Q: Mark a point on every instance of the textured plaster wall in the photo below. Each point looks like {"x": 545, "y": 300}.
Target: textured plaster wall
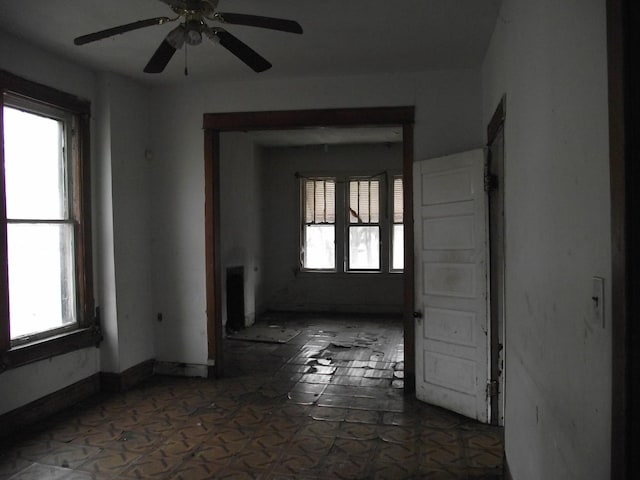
{"x": 549, "y": 59}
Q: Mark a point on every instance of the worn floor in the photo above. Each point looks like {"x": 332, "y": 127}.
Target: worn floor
{"x": 328, "y": 404}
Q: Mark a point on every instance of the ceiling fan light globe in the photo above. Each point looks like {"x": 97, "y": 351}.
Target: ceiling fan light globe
{"x": 193, "y": 37}
{"x": 176, "y": 37}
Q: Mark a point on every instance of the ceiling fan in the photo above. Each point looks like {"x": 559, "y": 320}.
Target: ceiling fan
{"x": 194, "y": 15}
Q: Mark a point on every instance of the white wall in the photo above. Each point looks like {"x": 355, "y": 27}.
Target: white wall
{"x": 22, "y": 385}
{"x": 549, "y": 58}
{"x": 102, "y": 198}
{"x": 122, "y": 223}
{"x": 288, "y": 289}
{"x": 448, "y": 119}
{"x": 130, "y": 169}
{"x": 241, "y": 220}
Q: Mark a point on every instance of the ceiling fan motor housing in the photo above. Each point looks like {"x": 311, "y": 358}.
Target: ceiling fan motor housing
{"x": 196, "y": 7}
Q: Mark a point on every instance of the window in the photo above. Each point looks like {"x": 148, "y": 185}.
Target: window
{"x": 397, "y": 232}
{"x": 39, "y": 223}
{"x": 352, "y": 224}
{"x": 45, "y": 286}
{"x": 319, "y": 231}
{"x": 364, "y": 225}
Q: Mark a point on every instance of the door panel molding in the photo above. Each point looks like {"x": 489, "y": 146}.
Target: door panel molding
{"x": 451, "y": 284}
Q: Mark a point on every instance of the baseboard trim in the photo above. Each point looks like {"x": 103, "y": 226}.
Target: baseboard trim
{"x": 327, "y": 312}
{"x": 121, "y": 382}
{"x": 48, "y": 405}
{"x": 181, "y": 369}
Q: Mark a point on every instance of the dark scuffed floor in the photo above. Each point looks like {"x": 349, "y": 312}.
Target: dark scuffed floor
{"x": 328, "y": 404}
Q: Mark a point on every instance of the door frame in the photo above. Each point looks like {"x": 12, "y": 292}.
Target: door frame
{"x": 216, "y": 123}
{"x": 497, "y": 329}
{"x": 623, "y": 45}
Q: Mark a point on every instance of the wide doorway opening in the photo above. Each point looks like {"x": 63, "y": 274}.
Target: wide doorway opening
{"x": 305, "y": 291}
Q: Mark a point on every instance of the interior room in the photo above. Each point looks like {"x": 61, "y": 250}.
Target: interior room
{"x": 199, "y": 144}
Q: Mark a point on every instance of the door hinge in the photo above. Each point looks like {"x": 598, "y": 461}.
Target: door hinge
{"x": 492, "y": 388}
{"x": 490, "y": 183}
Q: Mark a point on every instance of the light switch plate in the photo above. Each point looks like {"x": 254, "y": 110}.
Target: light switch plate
{"x": 597, "y": 301}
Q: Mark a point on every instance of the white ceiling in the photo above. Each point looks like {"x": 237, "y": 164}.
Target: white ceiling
{"x": 341, "y": 37}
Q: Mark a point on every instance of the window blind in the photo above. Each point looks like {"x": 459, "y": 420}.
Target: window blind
{"x": 320, "y": 201}
{"x": 398, "y": 193}
{"x": 364, "y": 201}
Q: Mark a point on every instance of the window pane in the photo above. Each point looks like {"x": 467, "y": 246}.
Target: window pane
{"x": 398, "y": 214}
{"x": 41, "y": 277}
{"x": 374, "y": 201}
{"x": 364, "y": 201}
{"x": 320, "y": 201}
{"x": 330, "y": 201}
{"x": 364, "y": 248}
{"x": 309, "y": 201}
{"x": 397, "y": 262}
{"x": 319, "y": 247}
{"x": 34, "y": 166}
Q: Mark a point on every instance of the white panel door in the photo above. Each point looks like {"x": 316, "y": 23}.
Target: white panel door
{"x": 450, "y": 208}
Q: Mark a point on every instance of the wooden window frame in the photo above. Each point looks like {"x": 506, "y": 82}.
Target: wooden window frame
{"x": 87, "y": 332}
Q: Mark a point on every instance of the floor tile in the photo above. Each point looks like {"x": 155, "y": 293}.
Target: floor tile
{"x": 41, "y": 472}
{"x": 11, "y": 464}
{"x": 323, "y": 406}
{"x": 352, "y": 447}
{"x": 295, "y": 464}
{"x": 109, "y": 462}
{"x": 314, "y": 446}
{"x": 346, "y": 467}
{"x": 329, "y": 413}
{"x": 68, "y": 455}
{"x": 363, "y": 416}
{"x": 196, "y": 471}
{"x": 152, "y": 466}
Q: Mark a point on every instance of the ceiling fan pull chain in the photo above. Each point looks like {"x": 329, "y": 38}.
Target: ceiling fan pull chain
{"x": 186, "y": 69}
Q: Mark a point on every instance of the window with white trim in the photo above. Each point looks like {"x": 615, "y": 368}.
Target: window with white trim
{"x": 319, "y": 228}
{"x": 397, "y": 227}
{"x": 364, "y": 224}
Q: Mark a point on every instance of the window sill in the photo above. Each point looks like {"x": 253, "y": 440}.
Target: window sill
{"x": 49, "y": 347}
{"x": 349, "y": 274}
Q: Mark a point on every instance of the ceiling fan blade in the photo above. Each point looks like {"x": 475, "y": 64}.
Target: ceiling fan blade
{"x": 259, "y": 21}
{"x": 109, "y": 32}
{"x": 160, "y": 58}
{"x": 243, "y": 51}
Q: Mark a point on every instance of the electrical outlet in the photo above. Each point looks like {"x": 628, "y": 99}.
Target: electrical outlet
{"x": 597, "y": 299}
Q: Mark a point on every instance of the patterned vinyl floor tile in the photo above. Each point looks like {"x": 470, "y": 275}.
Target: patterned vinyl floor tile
{"x": 326, "y": 405}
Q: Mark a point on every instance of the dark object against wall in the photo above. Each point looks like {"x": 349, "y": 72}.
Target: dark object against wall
{"x": 235, "y": 299}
